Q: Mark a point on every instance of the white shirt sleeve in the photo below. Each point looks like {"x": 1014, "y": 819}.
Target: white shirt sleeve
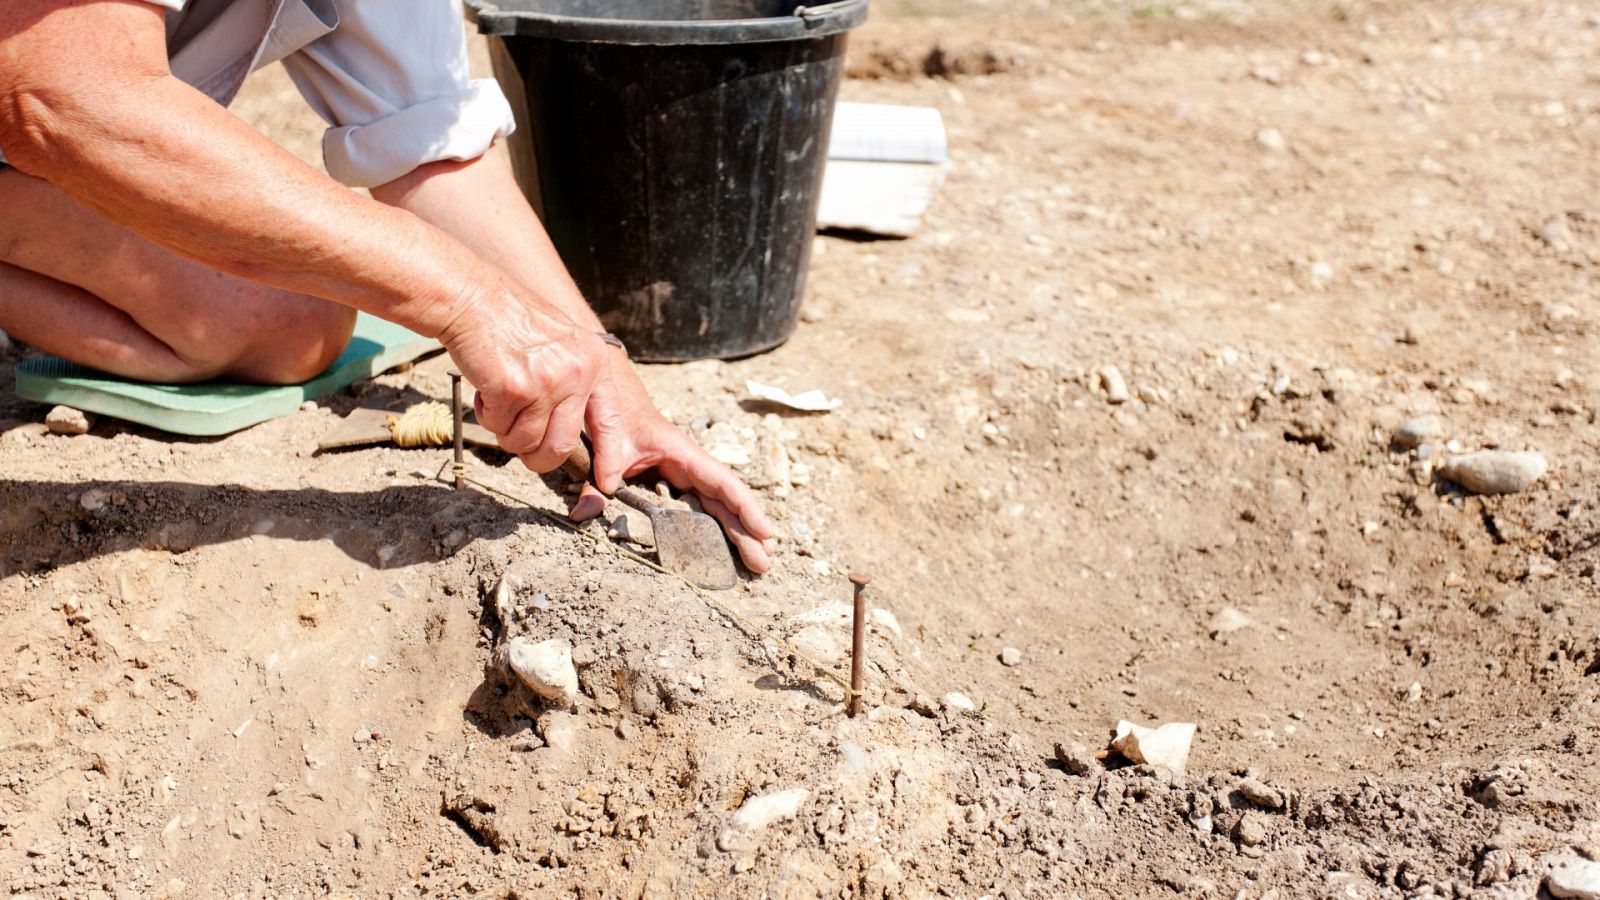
{"x": 392, "y": 81}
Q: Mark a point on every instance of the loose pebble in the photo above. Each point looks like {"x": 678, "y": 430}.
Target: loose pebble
{"x": 1110, "y": 382}
{"x": 743, "y": 832}
{"x": 632, "y": 527}
{"x": 546, "y": 668}
{"x": 361, "y": 736}
{"x": 732, "y": 455}
{"x": 1252, "y": 829}
{"x": 1571, "y": 876}
{"x": 1166, "y": 746}
{"x": 1556, "y": 235}
{"x": 1272, "y": 139}
{"x": 958, "y": 701}
{"x": 1495, "y": 471}
{"x": 560, "y": 730}
{"x": 66, "y": 420}
{"x": 1227, "y": 620}
{"x": 1421, "y": 430}
{"x": 1077, "y": 759}
{"x": 1260, "y": 793}
{"x": 1010, "y": 656}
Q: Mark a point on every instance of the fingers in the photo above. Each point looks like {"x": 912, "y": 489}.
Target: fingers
{"x": 751, "y": 549}
{"x": 609, "y": 435}
{"x": 562, "y": 431}
{"x": 690, "y": 468}
{"x": 590, "y": 503}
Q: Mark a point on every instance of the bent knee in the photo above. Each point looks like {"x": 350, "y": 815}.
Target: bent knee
{"x": 295, "y": 342}
{"x": 308, "y": 340}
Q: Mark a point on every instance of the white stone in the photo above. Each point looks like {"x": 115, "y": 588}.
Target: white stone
{"x": 1418, "y": 431}
{"x": 734, "y": 455}
{"x": 743, "y": 832}
{"x": 958, "y": 701}
{"x": 1571, "y": 876}
{"x": 546, "y": 668}
{"x": 66, "y": 420}
{"x": 632, "y": 527}
{"x": 94, "y": 499}
{"x": 1495, "y": 471}
{"x": 1110, "y": 381}
{"x": 1271, "y": 139}
{"x": 1227, "y": 620}
{"x": 1166, "y": 746}
{"x": 1010, "y": 656}
{"x": 560, "y": 731}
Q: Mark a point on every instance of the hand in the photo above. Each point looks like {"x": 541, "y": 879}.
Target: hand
{"x": 640, "y": 438}
{"x": 539, "y": 377}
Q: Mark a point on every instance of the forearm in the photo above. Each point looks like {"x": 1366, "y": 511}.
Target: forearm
{"x": 479, "y": 202}
{"x": 158, "y": 157}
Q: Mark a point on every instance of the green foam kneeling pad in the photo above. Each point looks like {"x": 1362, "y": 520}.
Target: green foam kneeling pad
{"x": 217, "y": 407}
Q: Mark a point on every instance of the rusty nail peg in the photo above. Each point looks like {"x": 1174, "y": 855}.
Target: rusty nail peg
{"x": 858, "y": 640}
{"x": 459, "y": 468}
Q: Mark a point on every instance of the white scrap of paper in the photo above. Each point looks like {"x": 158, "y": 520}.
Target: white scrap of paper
{"x": 811, "y": 401}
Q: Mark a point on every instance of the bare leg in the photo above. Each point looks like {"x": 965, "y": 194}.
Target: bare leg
{"x": 85, "y": 289}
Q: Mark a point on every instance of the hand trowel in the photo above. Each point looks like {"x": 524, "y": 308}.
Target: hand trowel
{"x": 688, "y": 543}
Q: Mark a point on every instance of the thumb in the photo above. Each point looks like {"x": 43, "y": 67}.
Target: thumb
{"x": 609, "y": 435}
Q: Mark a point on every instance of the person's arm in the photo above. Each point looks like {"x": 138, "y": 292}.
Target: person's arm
{"x": 87, "y": 103}
{"x": 479, "y": 201}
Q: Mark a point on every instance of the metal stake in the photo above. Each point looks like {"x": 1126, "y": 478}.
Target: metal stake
{"x": 858, "y": 641}
{"x": 459, "y": 469}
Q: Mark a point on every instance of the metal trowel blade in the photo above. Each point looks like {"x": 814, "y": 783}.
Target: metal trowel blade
{"x": 691, "y": 544}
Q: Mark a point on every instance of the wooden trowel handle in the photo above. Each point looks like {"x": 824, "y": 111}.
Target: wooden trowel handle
{"x": 580, "y": 468}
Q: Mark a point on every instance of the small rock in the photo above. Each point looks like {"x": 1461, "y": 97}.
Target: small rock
{"x": 1556, "y": 235}
{"x": 546, "y": 668}
{"x": 1268, "y": 74}
{"x": 1077, "y": 759}
{"x": 1227, "y": 620}
{"x": 1110, "y": 381}
{"x": 743, "y": 832}
{"x": 361, "y": 736}
{"x": 94, "y": 500}
{"x": 1252, "y": 829}
{"x": 1166, "y": 746}
{"x": 66, "y": 420}
{"x": 1010, "y": 656}
{"x": 626, "y": 730}
{"x": 560, "y": 730}
{"x": 732, "y": 455}
{"x": 1418, "y": 431}
{"x": 959, "y": 702}
{"x": 1271, "y": 139}
{"x": 1261, "y": 794}
{"x": 632, "y": 527}
{"x": 1493, "y": 868}
{"x": 1495, "y": 471}
{"x": 1571, "y": 876}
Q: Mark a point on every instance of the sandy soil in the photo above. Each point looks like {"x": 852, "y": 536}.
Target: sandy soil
{"x": 240, "y": 668}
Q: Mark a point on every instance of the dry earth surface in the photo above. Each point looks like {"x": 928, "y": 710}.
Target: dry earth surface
{"x": 236, "y": 667}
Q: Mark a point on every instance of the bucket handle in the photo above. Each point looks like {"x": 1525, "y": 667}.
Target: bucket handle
{"x": 817, "y": 12}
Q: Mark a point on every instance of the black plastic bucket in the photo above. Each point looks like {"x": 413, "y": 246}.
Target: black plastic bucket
{"x": 674, "y": 150}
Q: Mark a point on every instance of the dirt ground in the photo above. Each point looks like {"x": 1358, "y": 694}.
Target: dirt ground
{"x": 237, "y": 667}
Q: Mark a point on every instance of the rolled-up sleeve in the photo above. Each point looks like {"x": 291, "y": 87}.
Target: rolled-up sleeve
{"x": 392, "y": 82}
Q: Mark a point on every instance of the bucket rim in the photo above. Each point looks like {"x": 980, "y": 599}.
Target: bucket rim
{"x": 817, "y": 20}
